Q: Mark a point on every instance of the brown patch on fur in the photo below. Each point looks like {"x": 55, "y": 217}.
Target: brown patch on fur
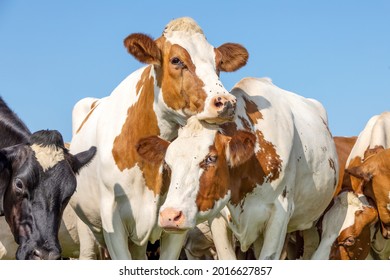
{"x": 230, "y": 57}
{"x": 181, "y": 87}
{"x": 93, "y": 104}
{"x": 344, "y": 146}
{"x": 354, "y": 242}
{"x": 144, "y": 76}
{"x": 93, "y": 107}
{"x": 141, "y": 122}
{"x": 252, "y": 111}
{"x": 268, "y": 158}
{"x": 214, "y": 181}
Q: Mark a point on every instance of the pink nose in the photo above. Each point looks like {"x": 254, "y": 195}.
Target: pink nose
{"x": 224, "y": 105}
{"x": 171, "y": 219}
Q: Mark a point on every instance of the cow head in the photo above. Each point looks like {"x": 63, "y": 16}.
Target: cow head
{"x": 349, "y": 221}
{"x": 374, "y": 175}
{"x": 36, "y": 183}
{"x": 187, "y": 69}
{"x": 200, "y": 162}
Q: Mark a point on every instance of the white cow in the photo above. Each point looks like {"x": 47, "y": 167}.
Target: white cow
{"x": 275, "y": 168}
{"x": 118, "y": 194}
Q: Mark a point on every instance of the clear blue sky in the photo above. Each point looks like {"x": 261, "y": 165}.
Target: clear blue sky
{"x": 54, "y": 53}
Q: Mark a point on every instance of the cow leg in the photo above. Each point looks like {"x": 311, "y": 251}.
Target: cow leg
{"x": 88, "y": 244}
{"x": 275, "y": 232}
{"x": 171, "y": 245}
{"x": 311, "y": 240}
{"x": 223, "y": 240}
{"x": 115, "y": 234}
{"x": 138, "y": 252}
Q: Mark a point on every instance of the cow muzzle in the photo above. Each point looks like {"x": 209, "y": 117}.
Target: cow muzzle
{"x": 172, "y": 220}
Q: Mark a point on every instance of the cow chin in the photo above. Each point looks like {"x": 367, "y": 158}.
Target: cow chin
{"x": 29, "y": 250}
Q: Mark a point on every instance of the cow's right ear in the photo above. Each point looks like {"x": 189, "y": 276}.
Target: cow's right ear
{"x": 240, "y": 148}
{"x": 4, "y": 179}
{"x": 152, "y": 149}
{"x": 143, "y": 48}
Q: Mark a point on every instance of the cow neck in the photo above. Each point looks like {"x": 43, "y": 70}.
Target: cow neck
{"x": 148, "y": 116}
{"x": 264, "y": 166}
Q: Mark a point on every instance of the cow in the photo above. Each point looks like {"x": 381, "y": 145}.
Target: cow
{"x": 275, "y": 168}
{"x": 369, "y": 173}
{"x": 118, "y": 194}
{"x": 346, "y": 228}
{"x": 366, "y": 178}
{"x": 69, "y": 236}
{"x": 37, "y": 179}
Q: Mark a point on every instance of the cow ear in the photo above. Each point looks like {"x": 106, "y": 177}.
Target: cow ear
{"x": 360, "y": 172}
{"x": 152, "y": 149}
{"x": 143, "y": 48}
{"x": 240, "y": 148}
{"x": 82, "y": 159}
{"x": 234, "y": 56}
{"x": 4, "y": 179}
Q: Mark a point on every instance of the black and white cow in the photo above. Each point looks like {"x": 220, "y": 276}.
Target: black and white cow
{"x": 37, "y": 179}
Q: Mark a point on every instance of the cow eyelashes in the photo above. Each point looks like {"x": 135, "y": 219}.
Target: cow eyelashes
{"x": 177, "y": 62}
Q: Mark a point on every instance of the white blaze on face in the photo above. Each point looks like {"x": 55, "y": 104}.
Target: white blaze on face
{"x": 189, "y": 36}
{"x": 184, "y": 156}
{"x": 48, "y": 156}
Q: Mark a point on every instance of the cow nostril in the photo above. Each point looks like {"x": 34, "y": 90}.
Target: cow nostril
{"x": 218, "y": 104}
{"x": 178, "y": 216}
{"x": 37, "y": 254}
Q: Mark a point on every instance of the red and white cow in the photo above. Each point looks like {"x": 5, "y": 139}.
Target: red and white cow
{"x": 371, "y": 175}
{"x": 275, "y": 168}
{"x": 346, "y": 228}
{"x": 118, "y": 194}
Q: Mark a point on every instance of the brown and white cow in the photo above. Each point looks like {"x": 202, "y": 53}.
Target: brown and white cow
{"x": 275, "y": 168}
{"x": 353, "y": 229}
{"x": 119, "y": 194}
{"x": 371, "y": 175}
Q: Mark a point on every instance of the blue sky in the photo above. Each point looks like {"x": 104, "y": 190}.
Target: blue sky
{"x": 54, "y": 53}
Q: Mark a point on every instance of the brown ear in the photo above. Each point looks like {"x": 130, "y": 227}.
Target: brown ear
{"x": 143, "y": 48}
{"x": 360, "y": 172}
{"x": 152, "y": 149}
{"x": 240, "y": 148}
{"x": 234, "y": 56}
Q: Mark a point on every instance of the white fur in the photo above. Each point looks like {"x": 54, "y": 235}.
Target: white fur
{"x": 290, "y": 122}
{"x": 48, "y": 156}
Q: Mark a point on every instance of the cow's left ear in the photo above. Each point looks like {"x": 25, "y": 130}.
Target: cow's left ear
{"x": 82, "y": 159}
{"x": 152, "y": 149}
{"x": 240, "y": 148}
{"x": 233, "y": 57}
{"x": 4, "y": 179}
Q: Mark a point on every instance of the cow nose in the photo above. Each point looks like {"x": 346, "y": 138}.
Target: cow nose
{"x": 171, "y": 219}
{"x": 225, "y": 106}
{"x": 42, "y": 254}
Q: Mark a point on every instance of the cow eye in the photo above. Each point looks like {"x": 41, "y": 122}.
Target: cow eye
{"x": 350, "y": 241}
{"x": 210, "y": 159}
{"x": 176, "y": 61}
{"x": 18, "y": 185}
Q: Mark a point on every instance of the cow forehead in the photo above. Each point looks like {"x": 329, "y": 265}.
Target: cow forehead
{"x": 192, "y": 144}
{"x": 48, "y": 156}
{"x": 196, "y": 45}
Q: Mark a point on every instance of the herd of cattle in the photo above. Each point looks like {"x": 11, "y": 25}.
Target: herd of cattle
{"x": 172, "y": 158}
